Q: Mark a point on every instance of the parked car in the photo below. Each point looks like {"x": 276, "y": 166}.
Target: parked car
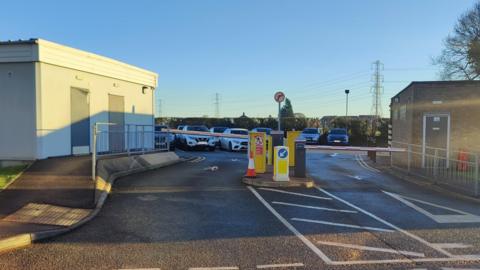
{"x": 217, "y": 130}
{"x": 190, "y": 142}
{"x": 178, "y": 137}
{"x": 310, "y": 135}
{"x": 262, "y": 129}
{"x": 337, "y": 136}
{"x": 234, "y": 144}
{"x": 159, "y": 138}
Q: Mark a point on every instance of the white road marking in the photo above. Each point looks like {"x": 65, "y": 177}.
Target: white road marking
{"x": 452, "y": 268}
{"x": 386, "y": 250}
{"x": 214, "y": 268}
{"x": 197, "y": 159}
{"x": 463, "y": 217}
{"x": 291, "y": 228}
{"x": 285, "y": 265}
{"x": 334, "y": 154}
{"x": 422, "y": 260}
{"x": 411, "y": 235}
{"x": 452, "y": 245}
{"x": 314, "y": 207}
{"x": 364, "y": 164}
{"x": 211, "y": 168}
{"x": 342, "y": 225}
{"x": 356, "y": 177}
{"x": 295, "y": 193}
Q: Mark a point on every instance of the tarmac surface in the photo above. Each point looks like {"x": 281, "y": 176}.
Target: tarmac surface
{"x": 198, "y": 215}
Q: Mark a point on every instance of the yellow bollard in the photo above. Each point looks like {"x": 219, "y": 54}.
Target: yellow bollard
{"x": 291, "y": 137}
{"x": 280, "y": 168}
{"x": 269, "y": 149}
{"x": 258, "y": 147}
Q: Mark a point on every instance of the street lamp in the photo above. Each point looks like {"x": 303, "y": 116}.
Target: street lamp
{"x": 346, "y": 108}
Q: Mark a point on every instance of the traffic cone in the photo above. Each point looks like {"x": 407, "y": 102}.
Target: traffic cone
{"x": 251, "y": 167}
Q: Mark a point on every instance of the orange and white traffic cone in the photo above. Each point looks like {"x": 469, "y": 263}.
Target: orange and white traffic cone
{"x": 251, "y": 167}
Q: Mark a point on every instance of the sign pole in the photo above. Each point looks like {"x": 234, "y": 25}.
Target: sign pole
{"x": 279, "y": 97}
{"x": 279, "y": 109}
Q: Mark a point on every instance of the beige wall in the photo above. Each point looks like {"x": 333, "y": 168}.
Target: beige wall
{"x": 53, "y": 129}
{"x": 17, "y": 111}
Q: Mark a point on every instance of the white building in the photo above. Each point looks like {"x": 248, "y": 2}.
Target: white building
{"x": 52, "y": 95}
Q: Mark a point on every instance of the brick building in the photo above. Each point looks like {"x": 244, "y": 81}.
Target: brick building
{"x": 437, "y": 118}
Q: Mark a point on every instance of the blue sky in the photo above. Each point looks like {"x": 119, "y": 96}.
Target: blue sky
{"x": 246, "y": 50}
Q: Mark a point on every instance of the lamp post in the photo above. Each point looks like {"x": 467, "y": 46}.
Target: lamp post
{"x": 346, "y": 108}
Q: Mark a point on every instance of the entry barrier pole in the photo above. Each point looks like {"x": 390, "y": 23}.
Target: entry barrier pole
{"x": 94, "y": 153}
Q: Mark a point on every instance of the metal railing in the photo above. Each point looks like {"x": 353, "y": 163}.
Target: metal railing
{"x": 110, "y": 139}
{"x": 457, "y": 169}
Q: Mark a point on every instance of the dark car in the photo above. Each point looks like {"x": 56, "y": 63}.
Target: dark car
{"x": 262, "y": 129}
{"x": 337, "y": 136}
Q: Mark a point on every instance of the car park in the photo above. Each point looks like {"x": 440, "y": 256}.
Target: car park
{"x": 337, "y": 136}
{"x": 262, "y": 129}
{"x": 160, "y": 134}
{"x": 191, "y": 141}
{"x": 234, "y": 144}
{"x": 310, "y": 135}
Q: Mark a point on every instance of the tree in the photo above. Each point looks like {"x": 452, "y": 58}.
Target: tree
{"x": 287, "y": 115}
{"x": 460, "y": 58}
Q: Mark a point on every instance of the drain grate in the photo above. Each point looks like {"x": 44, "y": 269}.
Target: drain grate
{"x": 48, "y": 214}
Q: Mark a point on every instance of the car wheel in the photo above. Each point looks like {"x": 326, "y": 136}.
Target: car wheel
{"x": 211, "y": 148}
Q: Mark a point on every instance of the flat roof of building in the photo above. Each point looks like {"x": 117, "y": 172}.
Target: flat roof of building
{"x": 40, "y": 50}
{"x": 433, "y": 83}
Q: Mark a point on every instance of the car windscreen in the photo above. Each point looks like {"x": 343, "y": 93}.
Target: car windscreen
{"x": 266, "y": 130}
{"x": 197, "y": 128}
{"x": 219, "y": 129}
{"x": 239, "y": 132}
{"x": 310, "y": 131}
{"x": 338, "y": 131}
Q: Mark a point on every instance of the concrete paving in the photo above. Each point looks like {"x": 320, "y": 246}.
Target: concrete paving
{"x": 62, "y": 181}
{"x": 189, "y": 216}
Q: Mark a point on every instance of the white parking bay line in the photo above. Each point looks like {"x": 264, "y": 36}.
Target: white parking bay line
{"x": 284, "y": 265}
{"x": 214, "y": 268}
{"x": 291, "y": 228}
{"x": 452, "y": 245}
{"x": 342, "y": 225}
{"x": 314, "y": 207}
{"x": 295, "y": 193}
{"x": 453, "y": 268}
{"x": 411, "y": 235}
{"x": 386, "y": 250}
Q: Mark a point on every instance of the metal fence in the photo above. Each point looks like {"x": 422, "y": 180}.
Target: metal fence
{"x": 457, "y": 169}
{"x": 110, "y": 139}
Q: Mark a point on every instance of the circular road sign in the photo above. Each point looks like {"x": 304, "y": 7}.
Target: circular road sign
{"x": 282, "y": 153}
{"x": 279, "y": 96}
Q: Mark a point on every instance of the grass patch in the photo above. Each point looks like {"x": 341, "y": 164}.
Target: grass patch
{"x": 7, "y": 174}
